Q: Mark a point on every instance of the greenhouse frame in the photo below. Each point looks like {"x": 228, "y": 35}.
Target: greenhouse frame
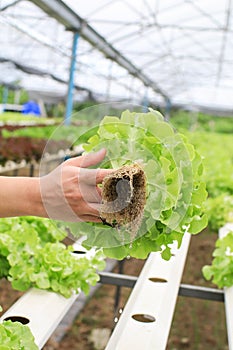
{"x": 150, "y": 81}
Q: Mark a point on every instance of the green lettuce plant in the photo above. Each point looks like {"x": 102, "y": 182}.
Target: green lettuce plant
{"x": 217, "y": 153}
{"x": 221, "y": 269}
{"x": 32, "y": 255}
{"x": 16, "y": 336}
{"x": 175, "y": 191}
{"x": 219, "y": 211}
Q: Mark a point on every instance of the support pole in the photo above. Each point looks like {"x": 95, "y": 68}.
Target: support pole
{"x": 5, "y": 96}
{"x": 168, "y": 110}
{"x": 69, "y": 102}
{"x": 145, "y": 102}
{"x": 109, "y": 81}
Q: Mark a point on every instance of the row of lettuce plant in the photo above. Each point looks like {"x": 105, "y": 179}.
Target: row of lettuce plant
{"x": 217, "y": 151}
{"x": 18, "y": 149}
{"x": 33, "y": 254}
{"x": 17, "y": 118}
{"x": 28, "y": 143}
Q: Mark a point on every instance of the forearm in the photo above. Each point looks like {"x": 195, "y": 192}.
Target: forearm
{"x": 70, "y": 192}
{"x": 20, "y": 196}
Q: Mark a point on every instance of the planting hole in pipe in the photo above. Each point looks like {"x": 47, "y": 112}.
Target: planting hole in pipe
{"x": 20, "y": 319}
{"x": 157, "y": 279}
{"x": 79, "y": 252}
{"x": 143, "y": 318}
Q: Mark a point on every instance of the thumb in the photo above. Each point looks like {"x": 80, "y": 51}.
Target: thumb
{"x": 88, "y": 159}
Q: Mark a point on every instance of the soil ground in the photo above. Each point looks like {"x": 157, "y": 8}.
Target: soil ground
{"x": 197, "y": 324}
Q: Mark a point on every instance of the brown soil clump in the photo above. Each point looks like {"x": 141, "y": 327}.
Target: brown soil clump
{"x": 124, "y": 197}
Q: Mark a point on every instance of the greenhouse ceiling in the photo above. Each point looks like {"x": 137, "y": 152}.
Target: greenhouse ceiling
{"x": 177, "y": 52}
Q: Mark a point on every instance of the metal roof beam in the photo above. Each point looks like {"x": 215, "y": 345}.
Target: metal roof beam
{"x": 72, "y": 21}
{"x": 39, "y": 72}
{"x": 9, "y": 5}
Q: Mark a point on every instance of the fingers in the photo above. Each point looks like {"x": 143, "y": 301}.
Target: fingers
{"x": 89, "y": 159}
{"x": 92, "y": 176}
{"x": 93, "y": 209}
{"x": 90, "y": 194}
{"x": 80, "y": 185}
{"x": 93, "y": 158}
{"x": 101, "y": 174}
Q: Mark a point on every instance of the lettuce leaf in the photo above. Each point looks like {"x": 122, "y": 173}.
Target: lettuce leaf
{"x": 15, "y": 336}
{"x": 175, "y": 190}
{"x": 221, "y": 269}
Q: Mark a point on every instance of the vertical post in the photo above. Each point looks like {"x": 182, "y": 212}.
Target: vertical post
{"x": 167, "y": 109}
{"x": 118, "y": 290}
{"x": 109, "y": 81}
{"x": 31, "y": 170}
{"x": 69, "y": 102}
{"x": 131, "y": 90}
{"x": 17, "y": 96}
{"x": 145, "y": 102}
{"x": 5, "y": 96}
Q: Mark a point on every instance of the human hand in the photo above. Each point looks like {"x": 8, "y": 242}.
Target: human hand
{"x": 71, "y": 192}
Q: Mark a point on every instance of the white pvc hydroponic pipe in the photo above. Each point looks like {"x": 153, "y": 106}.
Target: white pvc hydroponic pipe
{"x": 146, "y": 320}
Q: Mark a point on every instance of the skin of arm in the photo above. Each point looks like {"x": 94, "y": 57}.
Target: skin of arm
{"x": 69, "y": 193}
